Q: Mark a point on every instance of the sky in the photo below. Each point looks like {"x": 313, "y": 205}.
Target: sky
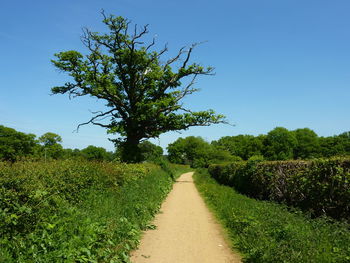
{"x": 277, "y": 63}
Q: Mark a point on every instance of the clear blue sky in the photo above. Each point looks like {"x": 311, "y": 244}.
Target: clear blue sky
{"x": 278, "y": 63}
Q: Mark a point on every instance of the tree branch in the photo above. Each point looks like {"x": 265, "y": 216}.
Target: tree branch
{"x": 96, "y": 118}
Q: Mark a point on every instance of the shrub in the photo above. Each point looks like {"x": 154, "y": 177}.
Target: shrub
{"x": 76, "y": 211}
{"x": 320, "y": 186}
{"x": 269, "y": 232}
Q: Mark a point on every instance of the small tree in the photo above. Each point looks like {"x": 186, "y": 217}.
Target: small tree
{"x": 143, "y": 94}
{"x": 50, "y": 138}
{"x": 51, "y": 145}
{"x": 190, "y": 150}
{"x": 15, "y": 144}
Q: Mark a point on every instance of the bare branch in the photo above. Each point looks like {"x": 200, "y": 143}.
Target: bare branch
{"x": 189, "y": 54}
{"x": 135, "y": 30}
{"x": 103, "y": 14}
{"x": 126, "y": 28}
{"x": 139, "y": 35}
{"x": 165, "y": 49}
{"x": 170, "y": 61}
{"x": 96, "y": 118}
{"x": 150, "y": 45}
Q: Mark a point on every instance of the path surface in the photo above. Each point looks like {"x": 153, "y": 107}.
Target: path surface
{"x": 186, "y": 231}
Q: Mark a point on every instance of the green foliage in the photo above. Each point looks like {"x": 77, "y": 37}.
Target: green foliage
{"x": 76, "y": 211}
{"x": 243, "y": 146}
{"x": 71, "y": 154}
{"x": 308, "y": 145}
{"x": 319, "y": 186}
{"x": 268, "y": 232}
{"x": 279, "y": 144}
{"x": 143, "y": 95}
{"x": 196, "y": 152}
{"x": 174, "y": 170}
{"x": 221, "y": 156}
{"x": 14, "y": 144}
{"x": 93, "y": 153}
{"x": 336, "y": 145}
{"x": 190, "y": 150}
{"x": 50, "y": 138}
{"x": 51, "y": 147}
{"x": 150, "y": 151}
{"x": 256, "y": 158}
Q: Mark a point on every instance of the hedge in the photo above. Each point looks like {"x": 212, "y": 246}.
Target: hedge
{"x": 268, "y": 232}
{"x": 77, "y": 211}
{"x": 319, "y": 186}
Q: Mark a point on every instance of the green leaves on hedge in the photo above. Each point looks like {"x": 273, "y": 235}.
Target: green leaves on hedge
{"x": 320, "y": 186}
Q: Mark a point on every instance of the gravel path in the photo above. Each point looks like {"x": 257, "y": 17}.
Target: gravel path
{"x": 186, "y": 231}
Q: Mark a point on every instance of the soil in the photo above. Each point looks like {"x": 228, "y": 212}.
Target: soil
{"x": 186, "y": 232}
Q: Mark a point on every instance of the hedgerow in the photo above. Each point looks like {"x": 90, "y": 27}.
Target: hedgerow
{"x": 70, "y": 211}
{"x": 320, "y": 186}
{"x": 268, "y": 232}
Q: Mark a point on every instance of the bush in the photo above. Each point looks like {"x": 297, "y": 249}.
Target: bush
{"x": 320, "y": 186}
{"x": 268, "y": 232}
{"x": 76, "y": 211}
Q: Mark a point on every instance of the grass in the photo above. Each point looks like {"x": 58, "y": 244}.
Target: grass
{"x": 268, "y": 232}
{"x": 68, "y": 211}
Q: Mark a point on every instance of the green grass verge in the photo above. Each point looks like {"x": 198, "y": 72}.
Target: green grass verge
{"x": 319, "y": 186}
{"x": 67, "y": 211}
{"x": 267, "y": 232}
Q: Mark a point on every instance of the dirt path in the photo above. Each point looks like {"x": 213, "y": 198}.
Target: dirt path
{"x": 186, "y": 231}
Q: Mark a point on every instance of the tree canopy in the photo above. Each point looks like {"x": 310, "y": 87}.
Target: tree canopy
{"x": 142, "y": 90}
{"x": 50, "y": 138}
{"x": 93, "y": 153}
{"x": 197, "y": 152}
{"x": 150, "y": 151}
{"x": 308, "y": 145}
{"x": 51, "y": 146}
{"x": 244, "y": 146}
{"x": 15, "y": 144}
{"x": 279, "y": 144}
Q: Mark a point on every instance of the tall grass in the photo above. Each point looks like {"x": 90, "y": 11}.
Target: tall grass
{"x": 268, "y": 232}
{"x": 68, "y": 211}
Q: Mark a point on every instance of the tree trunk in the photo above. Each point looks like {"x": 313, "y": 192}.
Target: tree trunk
{"x": 130, "y": 150}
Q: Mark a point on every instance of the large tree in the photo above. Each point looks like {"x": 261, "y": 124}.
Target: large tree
{"x": 308, "y": 145}
{"x": 279, "y": 144}
{"x": 142, "y": 90}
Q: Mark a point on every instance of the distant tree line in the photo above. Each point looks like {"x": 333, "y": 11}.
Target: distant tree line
{"x": 278, "y": 144}
{"x": 15, "y": 145}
